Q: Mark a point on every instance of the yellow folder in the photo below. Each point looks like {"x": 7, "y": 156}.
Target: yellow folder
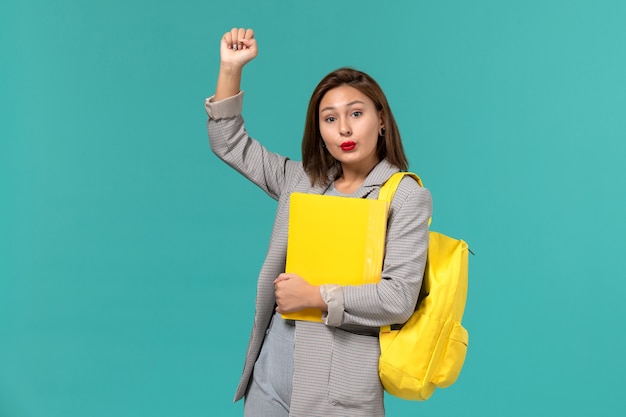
{"x": 335, "y": 240}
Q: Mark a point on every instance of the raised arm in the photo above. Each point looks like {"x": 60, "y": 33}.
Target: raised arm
{"x": 228, "y": 137}
{"x": 238, "y": 47}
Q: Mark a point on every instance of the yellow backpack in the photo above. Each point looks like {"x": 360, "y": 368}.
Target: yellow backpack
{"x": 428, "y": 351}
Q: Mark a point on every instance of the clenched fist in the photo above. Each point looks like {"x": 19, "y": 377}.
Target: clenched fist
{"x": 238, "y": 47}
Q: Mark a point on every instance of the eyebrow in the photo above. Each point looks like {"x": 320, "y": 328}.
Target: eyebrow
{"x": 347, "y": 105}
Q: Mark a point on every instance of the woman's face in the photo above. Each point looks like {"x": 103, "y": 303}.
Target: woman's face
{"x": 350, "y": 125}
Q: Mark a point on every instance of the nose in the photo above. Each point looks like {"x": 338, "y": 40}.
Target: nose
{"x": 344, "y": 128}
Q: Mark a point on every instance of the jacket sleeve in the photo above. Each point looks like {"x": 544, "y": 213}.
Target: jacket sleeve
{"x": 393, "y": 299}
{"x": 229, "y": 140}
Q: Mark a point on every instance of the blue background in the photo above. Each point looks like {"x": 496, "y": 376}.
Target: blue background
{"x": 127, "y": 284}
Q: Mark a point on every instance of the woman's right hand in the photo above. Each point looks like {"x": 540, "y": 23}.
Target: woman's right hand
{"x": 238, "y": 47}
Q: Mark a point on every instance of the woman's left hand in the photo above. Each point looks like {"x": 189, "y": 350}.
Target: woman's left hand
{"x": 293, "y": 293}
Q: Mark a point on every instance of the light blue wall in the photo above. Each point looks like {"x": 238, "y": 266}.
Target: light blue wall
{"x": 127, "y": 287}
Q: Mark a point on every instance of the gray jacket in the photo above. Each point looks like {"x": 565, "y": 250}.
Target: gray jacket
{"x": 335, "y": 371}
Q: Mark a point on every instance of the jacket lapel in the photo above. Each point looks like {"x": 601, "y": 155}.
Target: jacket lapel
{"x": 376, "y": 178}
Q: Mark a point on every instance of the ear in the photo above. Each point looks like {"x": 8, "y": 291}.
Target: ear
{"x": 381, "y": 116}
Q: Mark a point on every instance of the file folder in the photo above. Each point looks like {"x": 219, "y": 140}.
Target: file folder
{"x": 335, "y": 240}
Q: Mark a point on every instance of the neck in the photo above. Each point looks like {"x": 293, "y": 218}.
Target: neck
{"x": 353, "y": 176}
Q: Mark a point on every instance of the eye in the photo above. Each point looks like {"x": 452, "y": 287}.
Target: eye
{"x": 330, "y": 119}
{"x": 357, "y": 113}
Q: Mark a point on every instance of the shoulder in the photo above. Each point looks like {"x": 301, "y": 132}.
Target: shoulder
{"x": 295, "y": 172}
{"x": 410, "y": 189}
{"x": 411, "y": 199}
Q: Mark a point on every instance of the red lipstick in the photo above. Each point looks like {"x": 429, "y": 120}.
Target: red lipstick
{"x": 348, "y": 145}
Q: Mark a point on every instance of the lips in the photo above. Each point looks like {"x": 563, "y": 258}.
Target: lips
{"x": 348, "y": 146}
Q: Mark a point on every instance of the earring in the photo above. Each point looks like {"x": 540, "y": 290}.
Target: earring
{"x": 382, "y": 132}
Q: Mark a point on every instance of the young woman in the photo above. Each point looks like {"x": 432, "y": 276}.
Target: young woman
{"x": 351, "y": 146}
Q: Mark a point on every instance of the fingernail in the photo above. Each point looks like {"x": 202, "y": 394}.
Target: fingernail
{"x": 234, "y": 46}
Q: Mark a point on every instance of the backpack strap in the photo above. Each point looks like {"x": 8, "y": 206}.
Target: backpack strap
{"x": 386, "y": 193}
{"x": 389, "y": 188}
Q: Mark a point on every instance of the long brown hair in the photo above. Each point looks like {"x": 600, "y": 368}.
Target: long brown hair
{"x": 316, "y": 159}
